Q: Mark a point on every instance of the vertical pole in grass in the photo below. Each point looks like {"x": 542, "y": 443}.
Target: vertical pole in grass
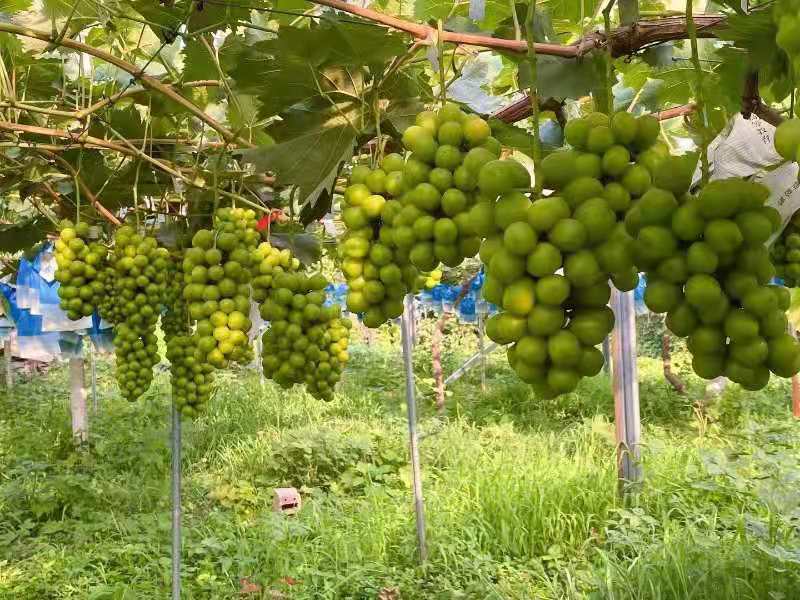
{"x": 176, "y": 502}
{"x": 795, "y": 383}
{"x": 7, "y": 361}
{"x": 606, "y": 356}
{"x": 482, "y": 348}
{"x": 93, "y": 367}
{"x": 626, "y": 391}
{"x": 77, "y": 401}
{"x": 406, "y": 333}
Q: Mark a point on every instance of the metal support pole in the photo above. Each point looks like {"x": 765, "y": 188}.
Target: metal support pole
{"x": 626, "y": 391}
{"x": 482, "y": 348}
{"x": 176, "y": 503}
{"x": 7, "y": 361}
{"x": 606, "y": 356}
{"x": 93, "y": 367}
{"x": 77, "y": 403}
{"x": 413, "y": 436}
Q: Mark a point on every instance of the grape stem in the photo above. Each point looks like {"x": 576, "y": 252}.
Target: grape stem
{"x": 609, "y": 59}
{"x": 699, "y": 101}
{"x": 533, "y": 94}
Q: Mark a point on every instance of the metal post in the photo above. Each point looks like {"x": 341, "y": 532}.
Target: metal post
{"x": 7, "y": 360}
{"x": 606, "y": 356}
{"x": 626, "y": 391}
{"x": 176, "y": 503}
{"x": 77, "y": 403}
{"x": 413, "y": 436}
{"x": 795, "y": 383}
{"x": 93, "y": 367}
{"x": 481, "y": 348}
{"x": 628, "y": 11}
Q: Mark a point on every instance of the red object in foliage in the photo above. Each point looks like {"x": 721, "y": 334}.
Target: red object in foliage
{"x": 268, "y": 219}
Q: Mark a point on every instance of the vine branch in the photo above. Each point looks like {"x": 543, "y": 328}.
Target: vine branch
{"x": 148, "y": 81}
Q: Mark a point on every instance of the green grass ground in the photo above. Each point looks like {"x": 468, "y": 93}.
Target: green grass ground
{"x": 520, "y": 494}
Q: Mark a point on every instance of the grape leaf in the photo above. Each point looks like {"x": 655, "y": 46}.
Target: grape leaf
{"x": 197, "y": 61}
{"x": 11, "y": 6}
{"x": 15, "y": 237}
{"x": 304, "y": 246}
{"x": 312, "y": 145}
{"x": 560, "y": 77}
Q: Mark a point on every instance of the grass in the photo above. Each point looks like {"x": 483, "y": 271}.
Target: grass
{"x": 519, "y": 494}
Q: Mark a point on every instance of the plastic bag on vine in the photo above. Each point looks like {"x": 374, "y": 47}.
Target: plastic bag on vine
{"x": 745, "y": 148}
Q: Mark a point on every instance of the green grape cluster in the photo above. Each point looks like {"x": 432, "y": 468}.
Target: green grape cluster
{"x": 140, "y": 271}
{"x": 708, "y": 269}
{"x": 268, "y": 262}
{"x": 217, "y": 271}
{"x": 787, "y": 139}
{"x": 191, "y": 375}
{"x": 378, "y": 272}
{"x": 79, "y": 264}
{"x": 175, "y": 316}
{"x": 785, "y": 253}
{"x": 786, "y": 14}
{"x": 549, "y": 261}
{"x": 439, "y": 182}
{"x": 306, "y": 342}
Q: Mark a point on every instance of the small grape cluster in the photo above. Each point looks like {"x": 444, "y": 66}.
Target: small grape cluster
{"x": 140, "y": 270}
{"x": 709, "y": 271}
{"x": 785, "y": 253}
{"x": 440, "y": 183}
{"x": 79, "y": 264}
{"x": 549, "y": 261}
{"x": 307, "y": 341}
{"x": 191, "y": 375}
{"x": 378, "y": 272}
{"x": 268, "y": 262}
{"x": 217, "y": 272}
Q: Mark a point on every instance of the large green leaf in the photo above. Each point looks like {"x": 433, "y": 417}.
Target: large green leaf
{"x": 560, "y": 77}
{"x": 15, "y": 237}
{"x": 312, "y": 145}
{"x": 197, "y": 62}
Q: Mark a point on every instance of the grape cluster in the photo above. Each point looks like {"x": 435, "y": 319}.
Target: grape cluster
{"x": 787, "y": 140}
{"x": 307, "y": 341}
{"x": 175, "y": 316}
{"x": 549, "y": 261}
{"x": 268, "y": 262}
{"x": 191, "y": 375}
{"x": 709, "y": 271}
{"x": 440, "y": 181}
{"x": 79, "y": 264}
{"x": 217, "y": 272}
{"x": 378, "y": 272}
{"x": 786, "y": 14}
{"x": 137, "y": 284}
{"x": 785, "y": 253}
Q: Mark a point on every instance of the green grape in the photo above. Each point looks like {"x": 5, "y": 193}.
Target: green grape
{"x": 714, "y": 280}
{"x": 138, "y": 274}
{"x": 307, "y": 341}
{"x": 549, "y": 261}
{"x": 80, "y": 264}
{"x": 217, "y": 274}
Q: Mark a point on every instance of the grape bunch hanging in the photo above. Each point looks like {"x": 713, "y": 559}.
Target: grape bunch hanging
{"x": 785, "y": 253}
{"x": 787, "y": 140}
{"x": 306, "y": 342}
{"x": 549, "y": 261}
{"x": 137, "y": 278}
{"x": 378, "y": 272}
{"x": 217, "y": 274}
{"x": 708, "y": 269}
{"x": 80, "y": 262}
